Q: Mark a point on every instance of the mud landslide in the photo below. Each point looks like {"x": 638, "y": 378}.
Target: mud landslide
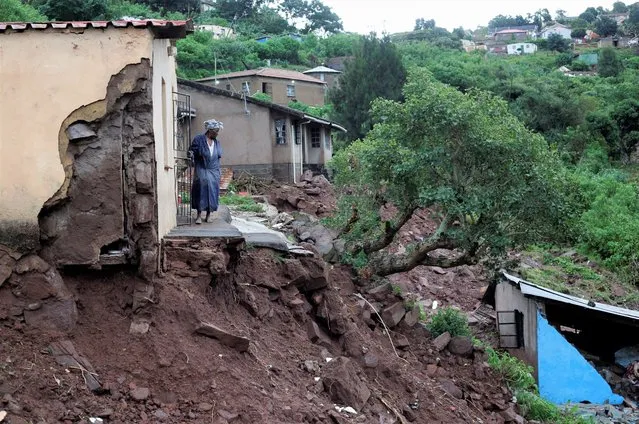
{"x": 280, "y": 339}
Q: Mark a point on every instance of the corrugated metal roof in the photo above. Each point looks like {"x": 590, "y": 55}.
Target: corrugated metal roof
{"x": 533, "y": 290}
{"x": 320, "y": 69}
{"x": 266, "y": 72}
{"x": 156, "y": 24}
{"x": 511, "y": 31}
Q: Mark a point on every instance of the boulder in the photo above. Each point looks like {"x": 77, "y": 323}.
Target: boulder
{"x": 451, "y": 388}
{"x": 393, "y": 314}
{"x": 241, "y": 344}
{"x": 462, "y": 346}
{"x": 343, "y": 385}
{"x": 440, "y": 342}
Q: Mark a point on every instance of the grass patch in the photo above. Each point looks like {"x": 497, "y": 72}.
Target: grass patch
{"x": 575, "y": 276}
{"x": 241, "y": 203}
{"x": 519, "y": 378}
{"x": 449, "y": 319}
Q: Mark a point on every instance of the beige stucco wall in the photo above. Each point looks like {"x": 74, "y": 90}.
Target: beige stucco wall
{"x": 44, "y": 77}
{"x": 164, "y": 84}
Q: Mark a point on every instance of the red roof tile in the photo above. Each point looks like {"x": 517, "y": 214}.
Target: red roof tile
{"x": 267, "y": 72}
{"x": 156, "y": 24}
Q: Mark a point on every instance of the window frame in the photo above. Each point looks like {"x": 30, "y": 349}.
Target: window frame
{"x": 280, "y": 136}
{"x": 316, "y": 141}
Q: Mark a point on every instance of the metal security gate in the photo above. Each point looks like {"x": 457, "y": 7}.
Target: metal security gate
{"x": 511, "y": 329}
{"x": 181, "y": 143}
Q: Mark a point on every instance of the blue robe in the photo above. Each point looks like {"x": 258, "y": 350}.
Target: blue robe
{"x": 205, "y": 192}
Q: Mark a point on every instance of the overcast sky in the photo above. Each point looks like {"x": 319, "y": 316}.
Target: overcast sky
{"x": 364, "y": 16}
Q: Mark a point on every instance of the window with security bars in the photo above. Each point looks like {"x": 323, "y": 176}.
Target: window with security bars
{"x": 280, "y": 131}
{"x": 290, "y": 90}
{"x": 298, "y": 133}
{"x": 316, "y": 139}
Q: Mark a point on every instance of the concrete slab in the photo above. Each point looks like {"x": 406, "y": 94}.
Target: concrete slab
{"x": 252, "y": 232}
{"x": 216, "y": 229}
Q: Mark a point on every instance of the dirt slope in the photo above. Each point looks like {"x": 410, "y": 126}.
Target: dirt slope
{"x": 282, "y": 378}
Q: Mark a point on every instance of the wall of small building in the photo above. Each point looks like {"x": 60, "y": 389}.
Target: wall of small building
{"x": 330, "y": 78}
{"x": 44, "y": 77}
{"x": 306, "y": 92}
{"x": 509, "y": 298}
{"x": 248, "y": 140}
{"x": 164, "y": 82}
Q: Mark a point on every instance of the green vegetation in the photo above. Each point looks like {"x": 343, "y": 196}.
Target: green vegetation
{"x": 241, "y": 203}
{"x": 16, "y": 11}
{"x": 448, "y": 319}
{"x": 445, "y": 150}
{"x": 520, "y": 379}
{"x": 362, "y": 83}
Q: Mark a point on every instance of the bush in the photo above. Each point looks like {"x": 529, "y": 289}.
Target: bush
{"x": 449, "y": 319}
{"x": 516, "y": 373}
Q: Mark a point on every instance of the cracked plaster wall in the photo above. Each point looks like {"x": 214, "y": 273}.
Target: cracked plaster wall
{"x": 45, "y": 76}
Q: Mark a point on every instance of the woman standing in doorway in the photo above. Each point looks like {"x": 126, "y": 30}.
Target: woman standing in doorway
{"x": 206, "y": 153}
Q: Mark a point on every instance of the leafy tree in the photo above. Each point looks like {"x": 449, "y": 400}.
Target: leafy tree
{"x": 460, "y": 33}
{"x": 315, "y": 14}
{"x": 321, "y": 17}
{"x": 488, "y": 181}
{"x": 605, "y": 26}
{"x": 609, "y": 63}
{"x": 188, "y": 7}
{"x": 421, "y": 24}
{"x": 578, "y": 33}
{"x": 557, "y": 43}
{"x": 16, "y": 11}
{"x": 233, "y": 10}
{"x": 560, "y": 15}
{"x": 376, "y": 70}
{"x": 74, "y": 10}
{"x": 619, "y": 7}
{"x": 117, "y": 9}
{"x": 588, "y": 16}
{"x": 505, "y": 21}
{"x": 631, "y": 25}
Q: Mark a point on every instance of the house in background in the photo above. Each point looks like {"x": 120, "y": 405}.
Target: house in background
{"x": 217, "y": 31}
{"x": 293, "y": 36}
{"x": 328, "y": 75}
{"x": 95, "y": 101}
{"x": 507, "y": 35}
{"x": 262, "y": 138}
{"x": 283, "y": 85}
{"x": 552, "y": 332}
{"x": 531, "y": 29}
{"x": 558, "y": 29}
{"x": 521, "y": 48}
{"x": 620, "y": 18}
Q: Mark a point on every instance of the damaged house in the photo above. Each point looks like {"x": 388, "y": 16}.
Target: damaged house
{"x": 261, "y": 138}
{"x": 563, "y": 336}
{"x": 87, "y": 140}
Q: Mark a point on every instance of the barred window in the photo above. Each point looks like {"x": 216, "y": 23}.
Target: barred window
{"x": 280, "y": 131}
{"x": 315, "y": 138}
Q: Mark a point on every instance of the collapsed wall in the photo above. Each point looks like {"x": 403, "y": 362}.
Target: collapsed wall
{"x": 107, "y": 204}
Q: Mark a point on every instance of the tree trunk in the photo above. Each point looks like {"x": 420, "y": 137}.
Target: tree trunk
{"x": 383, "y": 264}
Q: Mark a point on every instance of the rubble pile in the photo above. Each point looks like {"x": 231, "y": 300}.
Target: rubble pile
{"x": 312, "y": 195}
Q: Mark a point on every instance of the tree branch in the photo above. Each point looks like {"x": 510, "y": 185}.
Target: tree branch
{"x": 384, "y": 264}
{"x": 389, "y": 232}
